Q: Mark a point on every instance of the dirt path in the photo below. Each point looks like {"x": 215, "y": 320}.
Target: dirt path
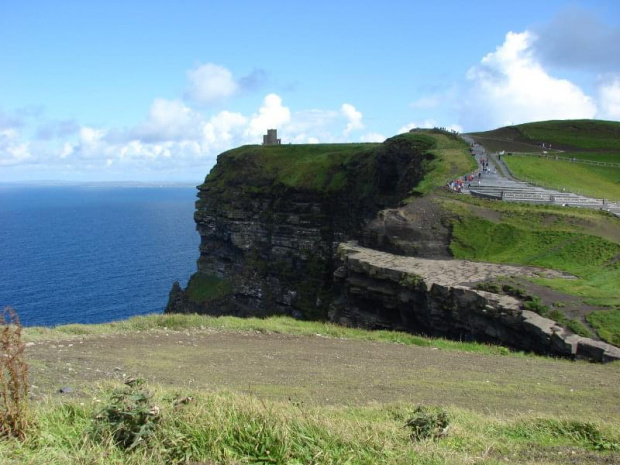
{"x": 321, "y": 370}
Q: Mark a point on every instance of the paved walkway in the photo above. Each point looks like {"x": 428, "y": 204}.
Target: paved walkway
{"x": 498, "y": 183}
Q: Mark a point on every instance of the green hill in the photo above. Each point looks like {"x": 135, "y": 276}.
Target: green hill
{"x": 588, "y": 152}
{"x": 601, "y": 139}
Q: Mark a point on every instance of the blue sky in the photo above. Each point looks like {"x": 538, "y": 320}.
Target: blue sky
{"x": 154, "y": 91}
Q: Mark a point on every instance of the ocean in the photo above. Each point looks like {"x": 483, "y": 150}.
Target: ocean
{"x": 93, "y": 254}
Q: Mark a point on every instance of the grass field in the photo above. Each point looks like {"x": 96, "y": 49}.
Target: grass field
{"x": 566, "y": 135}
{"x": 591, "y": 181}
{"x": 270, "y": 391}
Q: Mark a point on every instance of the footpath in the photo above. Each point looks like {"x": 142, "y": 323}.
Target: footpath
{"x": 496, "y": 182}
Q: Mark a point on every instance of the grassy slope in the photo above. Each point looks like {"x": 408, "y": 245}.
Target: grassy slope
{"x": 575, "y": 134}
{"x": 451, "y": 160}
{"x": 229, "y": 427}
{"x": 592, "y": 181}
{"x": 583, "y": 139}
{"x": 571, "y": 136}
{"x": 582, "y": 242}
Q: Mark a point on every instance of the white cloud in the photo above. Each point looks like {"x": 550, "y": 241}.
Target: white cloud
{"x": 510, "y": 86}
{"x": 210, "y": 83}
{"x": 169, "y": 120}
{"x": 353, "y": 116}
{"x": 272, "y": 114}
{"x": 609, "y": 98}
{"x": 173, "y": 138}
{"x": 12, "y": 150}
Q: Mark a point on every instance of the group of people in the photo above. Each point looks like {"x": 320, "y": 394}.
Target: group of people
{"x": 457, "y": 185}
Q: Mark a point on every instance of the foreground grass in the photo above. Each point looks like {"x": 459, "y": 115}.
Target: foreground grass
{"x": 274, "y": 324}
{"x": 592, "y": 181}
{"x": 231, "y": 428}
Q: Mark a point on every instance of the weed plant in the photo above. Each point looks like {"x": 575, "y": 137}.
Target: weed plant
{"x": 128, "y": 418}
{"x": 13, "y": 377}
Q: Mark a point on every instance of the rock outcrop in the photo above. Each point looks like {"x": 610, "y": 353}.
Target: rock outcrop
{"x": 379, "y": 290}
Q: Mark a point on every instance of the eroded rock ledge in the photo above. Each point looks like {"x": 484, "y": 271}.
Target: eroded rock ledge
{"x": 379, "y": 290}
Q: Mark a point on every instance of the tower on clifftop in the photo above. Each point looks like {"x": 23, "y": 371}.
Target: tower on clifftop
{"x": 271, "y": 138}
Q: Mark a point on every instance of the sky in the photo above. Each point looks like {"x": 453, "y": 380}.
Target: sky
{"x": 153, "y": 91}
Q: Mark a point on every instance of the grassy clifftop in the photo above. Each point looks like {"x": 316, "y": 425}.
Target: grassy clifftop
{"x": 330, "y": 167}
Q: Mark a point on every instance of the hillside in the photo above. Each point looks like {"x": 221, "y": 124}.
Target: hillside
{"x": 277, "y": 390}
{"x": 588, "y": 152}
{"x": 600, "y": 138}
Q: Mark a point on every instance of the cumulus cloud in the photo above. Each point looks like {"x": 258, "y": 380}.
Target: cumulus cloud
{"x": 510, "y": 86}
{"x": 578, "y": 39}
{"x": 168, "y": 120}
{"x": 353, "y": 116}
{"x": 272, "y": 114}
{"x": 609, "y": 98}
{"x": 210, "y": 83}
{"x": 175, "y": 137}
{"x": 223, "y": 129}
{"x": 12, "y": 150}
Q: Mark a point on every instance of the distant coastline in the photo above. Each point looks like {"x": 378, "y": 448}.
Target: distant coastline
{"x": 106, "y": 184}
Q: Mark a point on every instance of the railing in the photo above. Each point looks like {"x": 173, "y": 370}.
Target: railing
{"x": 547, "y": 156}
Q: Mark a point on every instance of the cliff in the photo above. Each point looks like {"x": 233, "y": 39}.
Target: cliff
{"x": 276, "y": 225}
{"x": 270, "y": 220}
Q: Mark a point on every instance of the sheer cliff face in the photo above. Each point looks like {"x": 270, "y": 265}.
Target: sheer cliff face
{"x": 271, "y": 218}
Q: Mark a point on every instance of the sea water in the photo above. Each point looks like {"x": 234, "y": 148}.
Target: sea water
{"x": 91, "y": 254}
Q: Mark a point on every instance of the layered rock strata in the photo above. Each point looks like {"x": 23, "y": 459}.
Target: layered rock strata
{"x": 379, "y": 290}
{"x": 270, "y": 220}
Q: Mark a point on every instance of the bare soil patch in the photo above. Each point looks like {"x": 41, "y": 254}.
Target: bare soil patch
{"x": 321, "y": 370}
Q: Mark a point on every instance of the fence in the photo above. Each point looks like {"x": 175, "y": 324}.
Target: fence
{"x": 608, "y": 164}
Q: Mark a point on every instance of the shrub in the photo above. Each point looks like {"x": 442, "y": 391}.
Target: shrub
{"x": 13, "y": 377}
{"x": 129, "y": 418}
{"x": 428, "y": 422}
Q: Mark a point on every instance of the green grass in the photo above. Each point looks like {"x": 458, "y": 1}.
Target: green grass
{"x": 608, "y": 157}
{"x": 583, "y": 134}
{"x": 607, "y": 325}
{"x": 451, "y": 160}
{"x": 230, "y": 428}
{"x": 333, "y": 167}
{"x": 203, "y": 288}
{"x": 274, "y": 324}
{"x": 567, "y": 135}
{"x": 592, "y": 181}
{"x": 528, "y": 235}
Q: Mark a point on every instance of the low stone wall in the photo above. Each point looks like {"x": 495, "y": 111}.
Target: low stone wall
{"x": 378, "y": 290}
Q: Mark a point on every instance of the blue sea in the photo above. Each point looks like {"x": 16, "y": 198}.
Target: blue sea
{"x": 93, "y": 254}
